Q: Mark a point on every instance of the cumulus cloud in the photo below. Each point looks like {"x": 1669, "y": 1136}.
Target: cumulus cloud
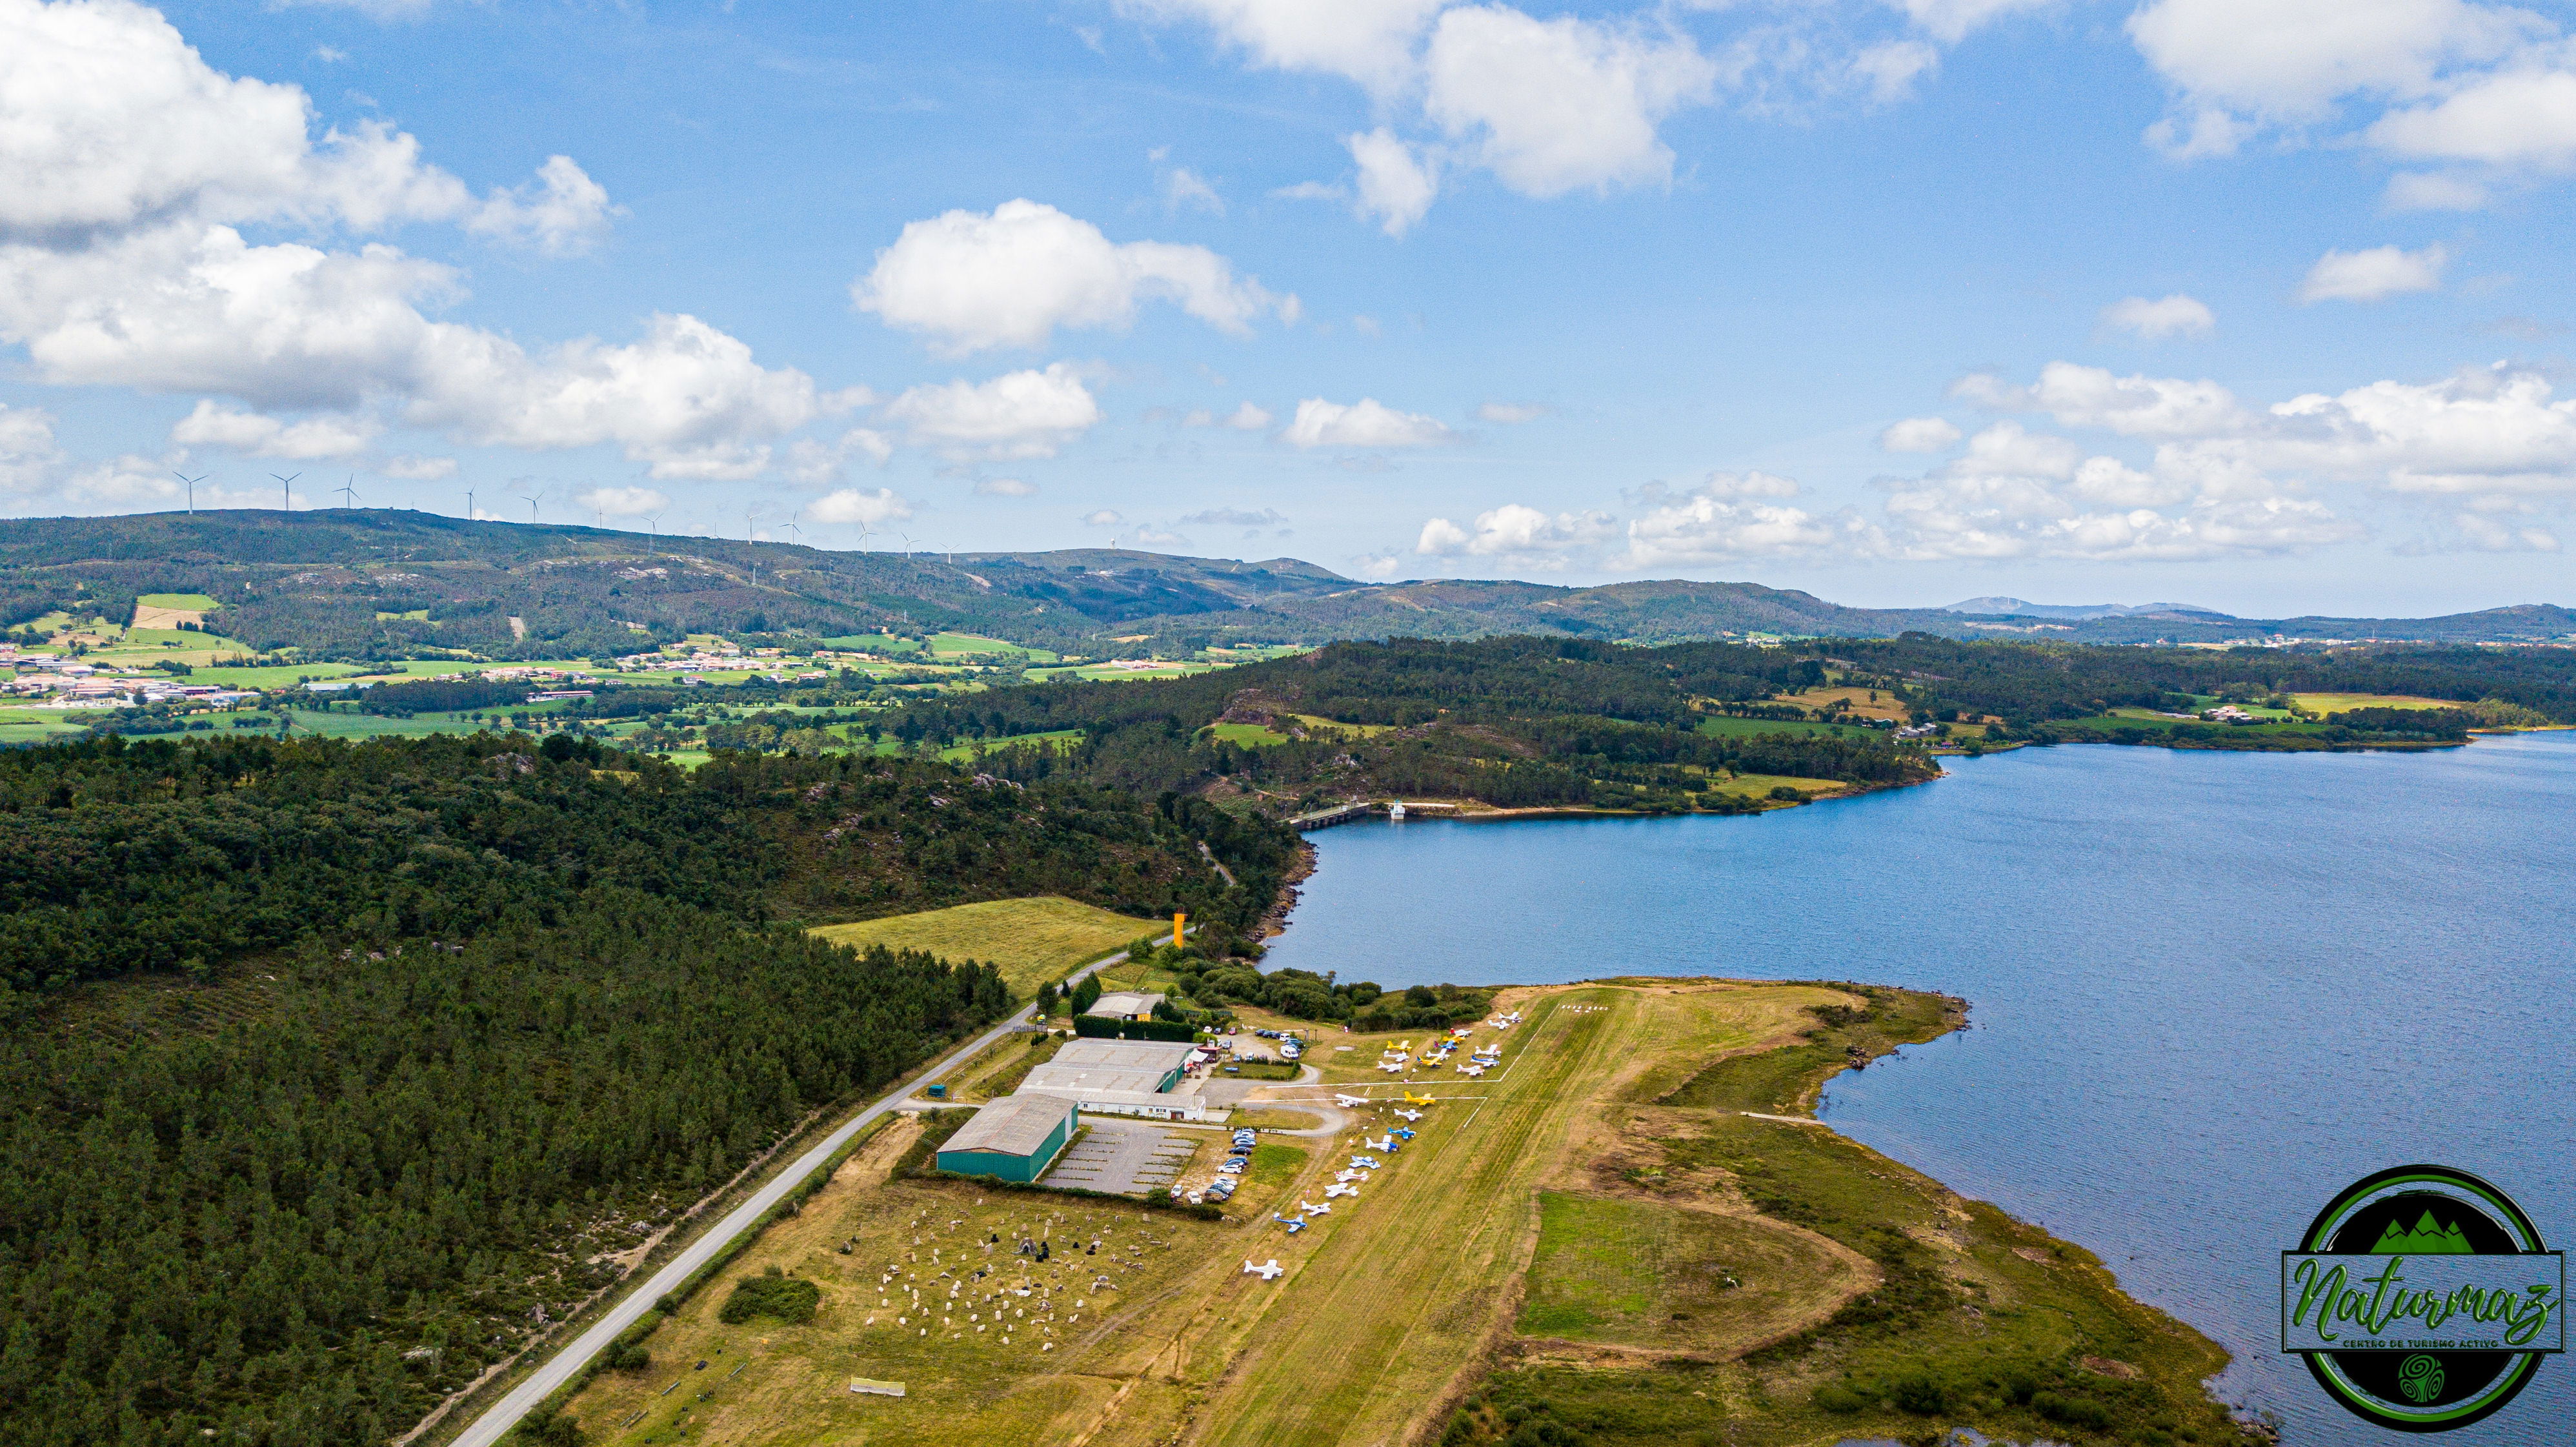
{"x": 1365, "y": 423}
{"x": 1368, "y": 41}
{"x": 1918, "y": 434}
{"x": 1509, "y": 413}
{"x": 2487, "y": 535}
{"x": 2173, "y": 316}
{"x": 1104, "y": 518}
{"x": 29, "y": 456}
{"x": 1520, "y": 533}
{"x": 1728, "y": 516}
{"x": 2135, "y": 406}
{"x": 1253, "y": 523}
{"x": 822, "y": 464}
{"x": 1005, "y": 487}
{"x": 1891, "y": 69}
{"x": 624, "y": 502}
{"x": 1019, "y": 414}
{"x": 2490, "y": 85}
{"x": 855, "y": 505}
{"x": 215, "y": 425}
{"x": 1552, "y": 106}
{"x": 2373, "y": 275}
{"x": 123, "y": 193}
{"x": 1396, "y": 184}
{"x": 1185, "y": 189}
{"x": 972, "y": 280}
{"x": 2433, "y": 191}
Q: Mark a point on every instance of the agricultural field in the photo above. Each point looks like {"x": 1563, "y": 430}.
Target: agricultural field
{"x": 1855, "y": 698}
{"x": 1031, "y": 941}
{"x": 1719, "y": 726}
{"x": 1244, "y": 736}
{"x": 1595, "y": 1232}
{"x": 38, "y": 725}
{"x": 2321, "y": 704}
{"x": 1759, "y": 786}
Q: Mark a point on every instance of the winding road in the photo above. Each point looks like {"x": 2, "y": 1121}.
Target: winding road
{"x": 496, "y": 1422}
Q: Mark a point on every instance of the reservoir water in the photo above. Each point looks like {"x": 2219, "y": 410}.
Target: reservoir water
{"x": 2207, "y": 990}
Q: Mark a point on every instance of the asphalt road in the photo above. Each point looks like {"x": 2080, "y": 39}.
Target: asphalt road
{"x": 496, "y": 1423}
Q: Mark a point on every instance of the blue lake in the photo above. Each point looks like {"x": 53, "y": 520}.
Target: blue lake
{"x": 2207, "y": 990}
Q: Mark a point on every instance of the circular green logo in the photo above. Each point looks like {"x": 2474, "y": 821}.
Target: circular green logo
{"x": 2422, "y": 1299}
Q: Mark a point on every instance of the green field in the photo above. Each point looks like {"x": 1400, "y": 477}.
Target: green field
{"x": 1245, "y": 736}
{"x": 193, "y": 602}
{"x": 18, "y": 725}
{"x": 1759, "y": 786}
{"x": 1032, "y": 941}
{"x": 1734, "y": 728}
{"x": 1643, "y": 1273}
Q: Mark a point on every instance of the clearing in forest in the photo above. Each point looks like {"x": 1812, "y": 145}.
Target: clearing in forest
{"x": 1031, "y": 941}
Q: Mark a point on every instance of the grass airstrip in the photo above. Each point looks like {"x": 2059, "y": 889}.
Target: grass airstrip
{"x": 1628, "y": 1227}
{"x": 1031, "y": 941}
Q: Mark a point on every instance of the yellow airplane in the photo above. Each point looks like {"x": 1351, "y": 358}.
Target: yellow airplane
{"x": 1412, "y": 1099}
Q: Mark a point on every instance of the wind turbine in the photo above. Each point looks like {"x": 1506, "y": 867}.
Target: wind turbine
{"x": 349, "y": 493}
{"x": 469, "y": 504}
{"x": 192, "y": 485}
{"x": 532, "y": 504}
{"x": 653, "y": 524}
{"x": 286, "y": 489}
{"x": 907, "y": 543}
{"x": 796, "y": 532}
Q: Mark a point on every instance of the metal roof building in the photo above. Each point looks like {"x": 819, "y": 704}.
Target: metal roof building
{"x": 1122, "y": 1077}
{"x": 1015, "y": 1138}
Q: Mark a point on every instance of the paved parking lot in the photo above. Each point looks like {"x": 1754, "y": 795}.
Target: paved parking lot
{"x": 1126, "y": 1157}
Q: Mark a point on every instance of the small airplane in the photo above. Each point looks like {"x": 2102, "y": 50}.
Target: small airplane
{"x": 1409, "y": 1115}
{"x": 1332, "y": 1191}
{"x": 1472, "y": 1072}
{"x": 1350, "y": 1102}
{"x": 1351, "y": 1176}
{"x": 1387, "y": 1144}
{"x": 1269, "y": 1272}
{"x": 1315, "y": 1210}
{"x": 1392, "y": 1067}
{"x": 1402, "y": 1133}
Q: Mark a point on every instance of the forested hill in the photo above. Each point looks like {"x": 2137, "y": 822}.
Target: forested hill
{"x": 335, "y": 1070}
{"x": 378, "y": 583}
{"x": 1558, "y": 721}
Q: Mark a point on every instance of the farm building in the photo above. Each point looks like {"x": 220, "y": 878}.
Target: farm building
{"x": 1014, "y": 1139}
{"x": 1125, "y": 1005}
{"x": 1124, "y": 1077}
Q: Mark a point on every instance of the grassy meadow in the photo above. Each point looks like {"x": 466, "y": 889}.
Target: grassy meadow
{"x": 1031, "y": 941}
{"x": 2321, "y": 704}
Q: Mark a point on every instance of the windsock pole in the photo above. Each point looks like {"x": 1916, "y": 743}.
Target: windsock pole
{"x": 1177, "y": 921}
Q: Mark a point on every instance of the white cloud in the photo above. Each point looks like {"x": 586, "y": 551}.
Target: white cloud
{"x": 624, "y": 502}
{"x": 852, "y": 505}
{"x": 2521, "y": 117}
{"x": 1396, "y": 186}
{"x": 2484, "y": 431}
{"x": 1146, "y": 535}
{"x": 418, "y": 469}
{"x": 1105, "y": 518}
{"x": 1368, "y": 41}
{"x": 1891, "y": 68}
{"x": 1245, "y": 418}
{"x": 1509, "y": 413}
{"x": 1950, "y": 20}
{"x": 1018, "y": 414}
{"x": 1184, "y": 188}
{"x": 2136, "y": 406}
{"x": 1724, "y": 518}
{"x": 2173, "y": 316}
{"x": 1005, "y": 487}
{"x": 562, "y": 213}
{"x": 2490, "y": 536}
{"x": 1365, "y": 423}
{"x": 122, "y": 189}
{"x": 2433, "y": 191}
{"x": 29, "y": 457}
{"x": 972, "y": 280}
{"x": 822, "y": 464}
{"x": 1552, "y": 106}
{"x": 215, "y": 425}
{"x": 2373, "y": 275}
{"x": 1253, "y": 523}
{"x": 1918, "y": 434}
{"x": 1517, "y": 532}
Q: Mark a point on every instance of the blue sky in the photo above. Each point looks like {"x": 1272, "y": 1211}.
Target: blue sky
{"x": 2258, "y": 304}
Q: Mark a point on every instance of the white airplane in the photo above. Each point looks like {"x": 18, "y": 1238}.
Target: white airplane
{"x": 1314, "y": 1210}
{"x": 1332, "y": 1191}
{"x": 1387, "y": 1144}
{"x": 1348, "y": 1176}
{"x": 1409, "y": 1114}
{"x": 1268, "y": 1272}
{"x": 1350, "y": 1102}
{"x": 1472, "y": 1072}
{"x": 1393, "y": 1067}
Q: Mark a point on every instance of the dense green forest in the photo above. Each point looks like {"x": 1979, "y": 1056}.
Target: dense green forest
{"x": 337, "y": 1069}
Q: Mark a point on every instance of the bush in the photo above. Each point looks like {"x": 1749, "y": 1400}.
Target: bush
{"x": 1918, "y": 1393}
{"x": 790, "y": 1299}
{"x": 2071, "y": 1411}
{"x": 1832, "y": 1397}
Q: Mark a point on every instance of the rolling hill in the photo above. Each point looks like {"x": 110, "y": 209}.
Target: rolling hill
{"x": 370, "y": 582}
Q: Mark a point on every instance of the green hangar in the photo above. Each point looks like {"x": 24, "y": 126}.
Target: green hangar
{"x": 1013, "y": 1139}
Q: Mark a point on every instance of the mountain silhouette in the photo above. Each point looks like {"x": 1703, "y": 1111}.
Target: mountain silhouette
{"x": 2427, "y": 1239}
